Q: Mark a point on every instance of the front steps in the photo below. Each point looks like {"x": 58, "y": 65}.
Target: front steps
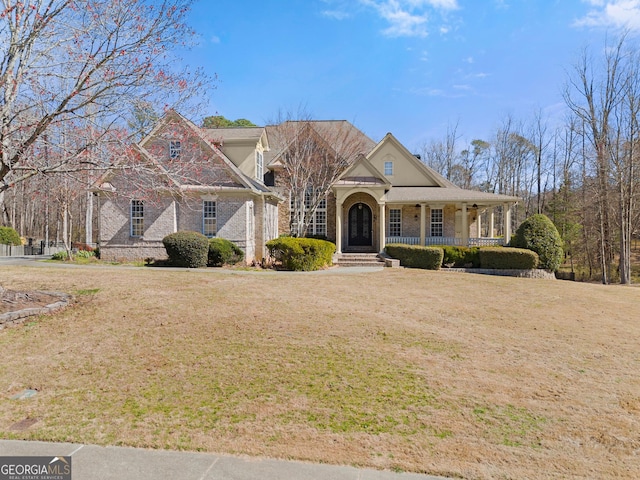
{"x": 359, "y": 260}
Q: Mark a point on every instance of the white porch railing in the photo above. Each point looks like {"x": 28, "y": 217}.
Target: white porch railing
{"x": 453, "y": 241}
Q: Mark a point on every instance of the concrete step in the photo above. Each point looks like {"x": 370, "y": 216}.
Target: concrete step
{"x": 359, "y": 260}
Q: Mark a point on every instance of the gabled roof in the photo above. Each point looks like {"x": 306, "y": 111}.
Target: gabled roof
{"x": 235, "y": 134}
{"x": 362, "y": 173}
{"x": 235, "y": 173}
{"x": 426, "y": 170}
{"x": 325, "y": 129}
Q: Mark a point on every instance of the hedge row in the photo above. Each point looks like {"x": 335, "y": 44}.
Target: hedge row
{"x": 431, "y": 258}
{"x": 413, "y": 256}
{"x": 508, "y": 258}
{"x": 301, "y": 253}
{"x": 459, "y": 257}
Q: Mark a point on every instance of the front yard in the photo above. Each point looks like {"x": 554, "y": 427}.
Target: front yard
{"x": 451, "y": 374}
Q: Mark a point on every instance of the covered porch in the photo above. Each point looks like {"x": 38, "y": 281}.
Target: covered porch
{"x": 458, "y": 224}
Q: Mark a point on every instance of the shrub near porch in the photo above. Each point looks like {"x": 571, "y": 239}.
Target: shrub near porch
{"x": 301, "y": 253}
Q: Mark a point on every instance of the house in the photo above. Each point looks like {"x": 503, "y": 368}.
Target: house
{"x": 228, "y": 182}
{"x": 179, "y": 177}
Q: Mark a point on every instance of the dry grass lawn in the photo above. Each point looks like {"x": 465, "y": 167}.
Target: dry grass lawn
{"x": 460, "y": 375}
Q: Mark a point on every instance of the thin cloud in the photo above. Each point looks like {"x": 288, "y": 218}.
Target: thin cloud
{"x": 409, "y": 18}
{"x": 434, "y": 92}
{"x": 612, "y": 13}
{"x": 336, "y": 14}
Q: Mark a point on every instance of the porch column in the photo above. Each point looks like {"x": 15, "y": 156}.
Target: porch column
{"x": 339, "y": 227}
{"x": 478, "y": 224}
{"x": 383, "y": 229}
{"x": 423, "y": 223}
{"x": 492, "y": 226}
{"x": 465, "y": 226}
{"x": 506, "y": 215}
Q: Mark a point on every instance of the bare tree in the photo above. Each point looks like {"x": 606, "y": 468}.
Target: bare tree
{"x": 442, "y": 155}
{"x": 311, "y": 156}
{"x": 593, "y": 96}
{"x": 82, "y": 63}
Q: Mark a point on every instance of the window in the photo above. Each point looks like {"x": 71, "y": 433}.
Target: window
{"x": 436, "y": 222}
{"x": 137, "y": 218}
{"x": 175, "y": 148}
{"x": 209, "y": 224}
{"x": 388, "y": 168}
{"x": 395, "y": 222}
{"x": 317, "y": 224}
{"x": 259, "y": 166}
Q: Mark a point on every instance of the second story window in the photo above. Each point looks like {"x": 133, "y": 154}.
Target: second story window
{"x": 175, "y": 148}
{"x": 259, "y": 166}
{"x": 388, "y": 168}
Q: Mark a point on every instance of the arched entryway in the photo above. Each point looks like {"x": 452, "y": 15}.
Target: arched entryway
{"x": 360, "y": 225}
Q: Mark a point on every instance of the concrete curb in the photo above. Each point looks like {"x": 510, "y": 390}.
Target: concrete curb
{"x": 90, "y": 462}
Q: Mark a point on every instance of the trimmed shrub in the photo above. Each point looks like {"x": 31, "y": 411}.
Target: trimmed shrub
{"x": 8, "y": 236}
{"x": 187, "y": 249}
{"x": 460, "y": 256}
{"x": 414, "y": 256}
{"x": 223, "y": 252}
{"x": 508, "y": 258}
{"x": 538, "y": 233}
{"x": 301, "y": 253}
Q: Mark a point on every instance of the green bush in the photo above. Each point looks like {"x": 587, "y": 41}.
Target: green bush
{"x": 187, "y": 249}
{"x": 508, "y": 258}
{"x": 84, "y": 254}
{"x": 223, "y": 252}
{"x": 461, "y": 256}
{"x": 538, "y": 233}
{"x": 414, "y": 256}
{"x": 8, "y": 236}
{"x": 301, "y": 253}
{"x": 61, "y": 255}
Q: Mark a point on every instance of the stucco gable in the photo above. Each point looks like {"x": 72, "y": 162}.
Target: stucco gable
{"x": 407, "y": 170}
{"x": 362, "y": 172}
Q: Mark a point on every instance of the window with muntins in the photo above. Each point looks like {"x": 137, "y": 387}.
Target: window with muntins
{"x": 259, "y": 166}
{"x": 388, "y": 168}
{"x": 318, "y": 223}
{"x": 137, "y": 218}
{"x": 175, "y": 148}
{"x": 437, "y": 224}
{"x": 395, "y": 222}
{"x": 209, "y": 222}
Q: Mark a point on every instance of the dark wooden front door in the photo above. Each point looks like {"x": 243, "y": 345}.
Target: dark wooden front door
{"x": 360, "y": 225}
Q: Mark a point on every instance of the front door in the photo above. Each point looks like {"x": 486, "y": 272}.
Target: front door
{"x": 360, "y": 225}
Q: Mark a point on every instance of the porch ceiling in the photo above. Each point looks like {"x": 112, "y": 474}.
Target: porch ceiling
{"x": 444, "y": 195}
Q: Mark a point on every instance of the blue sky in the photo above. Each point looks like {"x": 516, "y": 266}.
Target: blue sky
{"x": 410, "y": 67}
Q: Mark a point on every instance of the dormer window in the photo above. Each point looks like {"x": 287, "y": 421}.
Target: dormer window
{"x": 174, "y": 149}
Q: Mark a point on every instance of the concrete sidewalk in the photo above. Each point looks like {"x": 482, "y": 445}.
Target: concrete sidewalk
{"x": 90, "y": 462}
